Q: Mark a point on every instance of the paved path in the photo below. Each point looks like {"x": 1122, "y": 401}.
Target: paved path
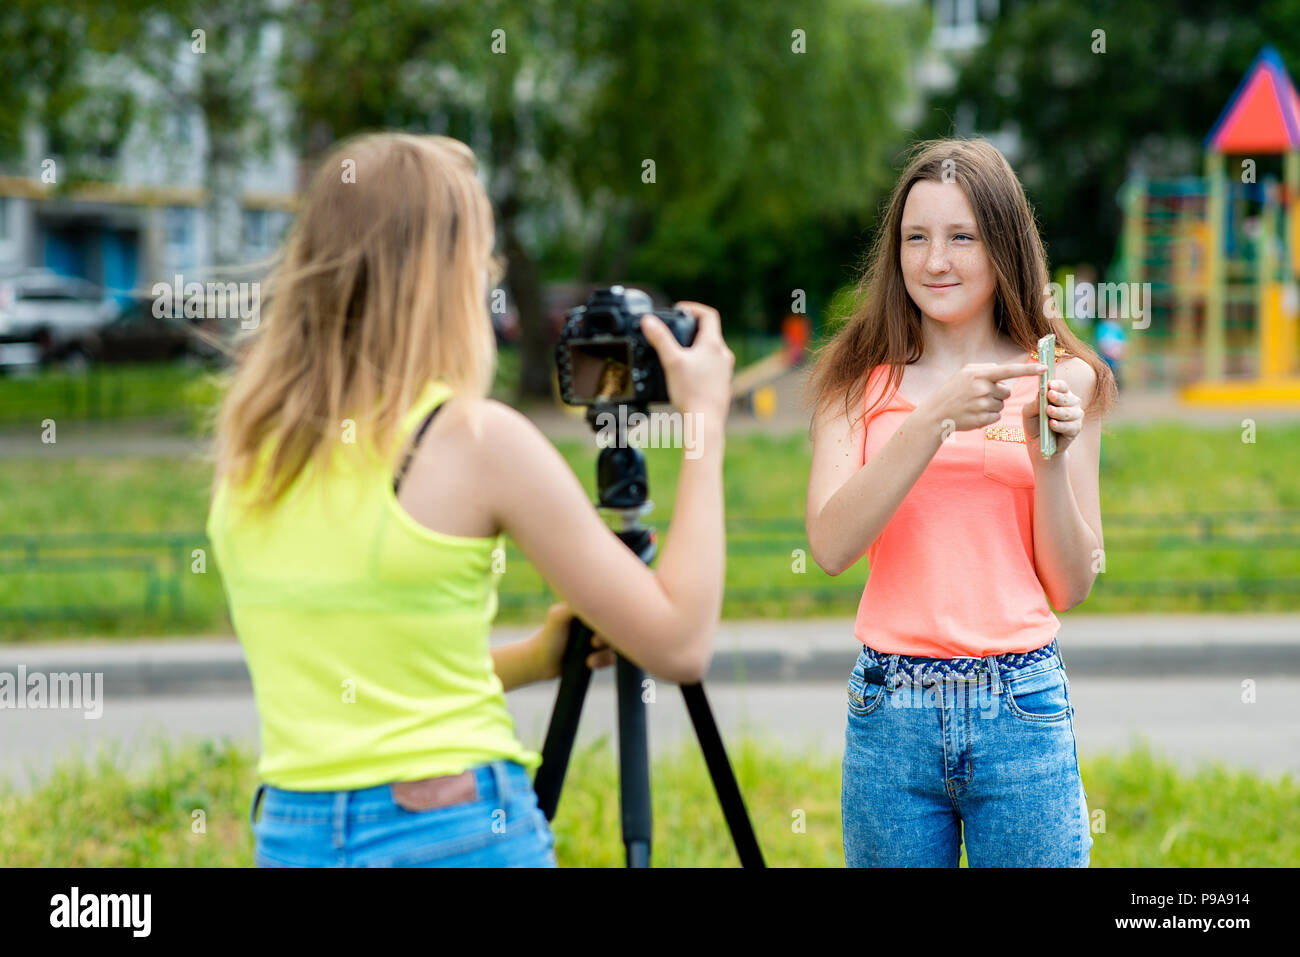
{"x": 1188, "y": 720}
{"x": 1175, "y": 680}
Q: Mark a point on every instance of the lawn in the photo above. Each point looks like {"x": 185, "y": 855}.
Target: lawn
{"x": 1145, "y": 812}
{"x": 1181, "y": 505}
{"x": 182, "y": 392}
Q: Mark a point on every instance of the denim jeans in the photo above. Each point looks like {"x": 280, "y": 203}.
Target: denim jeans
{"x": 989, "y": 757}
{"x": 502, "y": 827}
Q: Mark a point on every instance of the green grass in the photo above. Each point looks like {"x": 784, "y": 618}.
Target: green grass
{"x": 104, "y": 393}
{"x": 1151, "y": 814}
{"x": 1167, "y": 468}
{"x": 186, "y": 392}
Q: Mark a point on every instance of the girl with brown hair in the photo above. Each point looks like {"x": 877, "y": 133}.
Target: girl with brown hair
{"x": 926, "y": 459}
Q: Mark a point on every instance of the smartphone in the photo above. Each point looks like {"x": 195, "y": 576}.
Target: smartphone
{"x": 1046, "y": 357}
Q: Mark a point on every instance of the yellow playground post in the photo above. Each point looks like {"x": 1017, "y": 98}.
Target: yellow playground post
{"x": 1261, "y": 119}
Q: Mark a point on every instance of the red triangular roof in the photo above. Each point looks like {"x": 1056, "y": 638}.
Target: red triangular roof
{"x": 1263, "y": 115}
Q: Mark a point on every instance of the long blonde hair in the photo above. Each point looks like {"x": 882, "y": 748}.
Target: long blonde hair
{"x": 885, "y": 325}
{"x": 379, "y": 289}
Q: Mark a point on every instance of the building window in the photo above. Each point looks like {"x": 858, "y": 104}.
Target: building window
{"x": 178, "y": 127}
{"x": 263, "y": 231}
{"x": 180, "y": 238}
{"x": 257, "y": 229}
{"x": 957, "y": 22}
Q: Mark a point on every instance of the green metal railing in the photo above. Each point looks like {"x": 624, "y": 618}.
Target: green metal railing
{"x": 76, "y": 576}
{"x": 159, "y": 561}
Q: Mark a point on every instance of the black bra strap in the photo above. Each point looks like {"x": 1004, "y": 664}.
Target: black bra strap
{"x": 410, "y": 451}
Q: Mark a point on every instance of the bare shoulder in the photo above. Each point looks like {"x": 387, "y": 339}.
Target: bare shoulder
{"x": 500, "y": 439}
{"x": 486, "y": 424}
{"x": 1080, "y": 377}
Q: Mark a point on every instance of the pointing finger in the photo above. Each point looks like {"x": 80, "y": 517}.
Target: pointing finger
{"x": 1014, "y": 370}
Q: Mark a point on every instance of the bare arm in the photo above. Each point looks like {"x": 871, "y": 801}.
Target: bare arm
{"x": 1067, "y": 503}
{"x": 516, "y": 664}
{"x": 663, "y": 620}
{"x": 849, "y": 504}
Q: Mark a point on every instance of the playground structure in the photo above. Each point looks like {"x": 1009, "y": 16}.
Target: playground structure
{"x": 754, "y": 385}
{"x": 1222, "y": 255}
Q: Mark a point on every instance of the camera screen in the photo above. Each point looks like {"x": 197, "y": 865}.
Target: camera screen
{"x": 602, "y": 371}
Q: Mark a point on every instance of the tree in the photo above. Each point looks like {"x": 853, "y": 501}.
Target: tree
{"x": 212, "y": 59}
{"x": 1087, "y": 119}
{"x": 763, "y": 125}
{"x": 46, "y": 54}
{"x": 75, "y": 70}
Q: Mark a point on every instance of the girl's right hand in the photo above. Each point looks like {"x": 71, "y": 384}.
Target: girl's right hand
{"x": 973, "y": 397}
{"x": 698, "y": 377}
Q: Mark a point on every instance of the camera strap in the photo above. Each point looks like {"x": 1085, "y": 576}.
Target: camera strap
{"x": 410, "y": 451}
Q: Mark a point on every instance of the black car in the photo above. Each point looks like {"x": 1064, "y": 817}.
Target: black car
{"x": 137, "y": 335}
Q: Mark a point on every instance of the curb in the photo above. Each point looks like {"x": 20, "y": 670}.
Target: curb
{"x": 760, "y": 652}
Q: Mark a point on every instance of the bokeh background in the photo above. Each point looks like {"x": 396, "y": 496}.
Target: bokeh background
{"x": 722, "y": 151}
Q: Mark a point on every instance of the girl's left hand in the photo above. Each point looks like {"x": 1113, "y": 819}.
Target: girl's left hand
{"x": 549, "y": 644}
{"x": 1064, "y": 415}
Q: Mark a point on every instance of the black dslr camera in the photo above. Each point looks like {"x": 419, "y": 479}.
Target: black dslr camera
{"x": 603, "y": 358}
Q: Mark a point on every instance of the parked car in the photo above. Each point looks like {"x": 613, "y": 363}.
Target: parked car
{"x": 135, "y": 334}
{"x": 43, "y": 316}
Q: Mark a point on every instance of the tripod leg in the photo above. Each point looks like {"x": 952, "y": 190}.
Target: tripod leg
{"x": 724, "y": 780}
{"x": 633, "y": 764}
{"x": 575, "y": 678}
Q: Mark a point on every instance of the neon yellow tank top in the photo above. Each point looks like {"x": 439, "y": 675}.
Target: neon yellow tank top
{"x": 366, "y": 634}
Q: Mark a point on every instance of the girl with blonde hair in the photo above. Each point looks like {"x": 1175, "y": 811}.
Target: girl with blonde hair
{"x": 360, "y": 537}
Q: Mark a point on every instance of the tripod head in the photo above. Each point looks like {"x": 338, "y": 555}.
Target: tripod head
{"x": 621, "y": 484}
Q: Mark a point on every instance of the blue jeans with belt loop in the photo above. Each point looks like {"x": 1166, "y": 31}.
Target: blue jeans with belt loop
{"x": 501, "y": 827}
{"x": 938, "y": 750}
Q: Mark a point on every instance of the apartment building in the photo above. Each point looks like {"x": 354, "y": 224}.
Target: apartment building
{"x": 150, "y": 217}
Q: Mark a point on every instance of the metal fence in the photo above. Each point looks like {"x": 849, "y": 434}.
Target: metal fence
{"x": 73, "y": 576}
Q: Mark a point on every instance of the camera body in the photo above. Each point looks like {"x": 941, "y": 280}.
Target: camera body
{"x": 603, "y": 357}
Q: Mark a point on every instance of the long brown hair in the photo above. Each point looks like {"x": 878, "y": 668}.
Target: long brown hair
{"x": 884, "y": 327}
{"x": 380, "y": 289}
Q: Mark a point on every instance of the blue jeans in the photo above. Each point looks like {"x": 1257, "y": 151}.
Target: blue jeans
{"x": 502, "y": 827}
{"x": 989, "y": 757}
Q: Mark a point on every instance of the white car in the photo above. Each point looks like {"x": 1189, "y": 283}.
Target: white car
{"x": 43, "y": 316}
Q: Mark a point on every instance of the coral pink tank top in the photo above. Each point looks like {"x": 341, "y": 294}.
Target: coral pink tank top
{"x": 952, "y": 575}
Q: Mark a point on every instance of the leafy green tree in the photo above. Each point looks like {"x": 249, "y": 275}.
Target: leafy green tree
{"x": 213, "y": 60}
{"x": 46, "y": 54}
{"x": 1086, "y": 119}
{"x": 767, "y": 128}
{"x": 86, "y": 73}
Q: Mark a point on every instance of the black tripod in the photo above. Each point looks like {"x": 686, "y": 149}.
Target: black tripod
{"x": 621, "y": 491}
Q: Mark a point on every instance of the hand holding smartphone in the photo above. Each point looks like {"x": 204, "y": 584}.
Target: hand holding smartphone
{"x": 1047, "y": 357}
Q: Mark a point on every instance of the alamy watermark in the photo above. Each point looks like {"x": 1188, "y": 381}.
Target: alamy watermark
{"x": 1104, "y": 300}
{"x": 211, "y": 300}
{"x": 976, "y": 693}
{"x": 57, "y": 690}
{"x": 650, "y": 430}
{"x": 129, "y": 911}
